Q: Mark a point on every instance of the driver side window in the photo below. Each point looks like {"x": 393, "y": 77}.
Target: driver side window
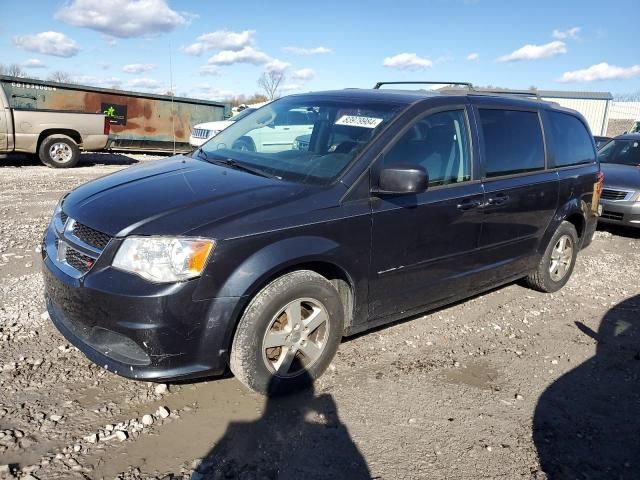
{"x": 440, "y": 144}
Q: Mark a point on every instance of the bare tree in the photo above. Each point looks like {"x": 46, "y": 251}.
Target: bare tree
{"x": 60, "y": 77}
{"x": 270, "y": 82}
{"x": 15, "y": 70}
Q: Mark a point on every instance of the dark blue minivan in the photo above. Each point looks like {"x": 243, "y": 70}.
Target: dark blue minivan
{"x": 259, "y": 251}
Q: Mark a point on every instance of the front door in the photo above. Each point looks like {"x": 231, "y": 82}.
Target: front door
{"x": 421, "y": 243}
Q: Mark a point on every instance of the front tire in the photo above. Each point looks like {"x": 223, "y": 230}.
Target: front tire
{"x": 556, "y": 265}
{"x": 288, "y": 334}
{"x": 59, "y": 151}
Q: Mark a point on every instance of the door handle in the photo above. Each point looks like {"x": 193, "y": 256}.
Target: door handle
{"x": 498, "y": 199}
{"x": 469, "y": 204}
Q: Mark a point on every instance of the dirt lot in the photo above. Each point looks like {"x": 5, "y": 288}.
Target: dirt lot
{"x": 511, "y": 384}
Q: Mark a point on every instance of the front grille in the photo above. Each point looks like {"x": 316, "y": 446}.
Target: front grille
{"x": 79, "y": 261}
{"x": 201, "y": 133}
{"x": 90, "y": 236}
{"x": 609, "y": 215}
{"x": 610, "y": 194}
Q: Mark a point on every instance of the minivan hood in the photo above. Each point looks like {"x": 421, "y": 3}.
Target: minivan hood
{"x": 172, "y": 197}
{"x": 623, "y": 176}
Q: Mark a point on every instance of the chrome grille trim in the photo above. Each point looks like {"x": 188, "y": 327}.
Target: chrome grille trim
{"x": 616, "y": 194}
{"x": 201, "y": 133}
{"x": 70, "y": 253}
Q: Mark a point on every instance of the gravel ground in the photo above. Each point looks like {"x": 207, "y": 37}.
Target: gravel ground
{"x": 510, "y": 384}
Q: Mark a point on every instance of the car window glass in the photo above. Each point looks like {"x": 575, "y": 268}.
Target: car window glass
{"x": 624, "y": 152}
{"x": 512, "y": 142}
{"x": 439, "y": 143}
{"x": 571, "y": 140}
{"x": 303, "y": 138}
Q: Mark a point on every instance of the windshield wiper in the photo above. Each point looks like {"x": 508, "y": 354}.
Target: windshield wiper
{"x": 230, "y": 162}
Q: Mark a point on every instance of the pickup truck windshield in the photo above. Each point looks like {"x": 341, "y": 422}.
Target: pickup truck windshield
{"x": 306, "y": 139}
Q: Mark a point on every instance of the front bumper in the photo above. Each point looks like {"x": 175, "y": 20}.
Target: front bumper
{"x": 135, "y": 328}
{"x": 625, "y": 213}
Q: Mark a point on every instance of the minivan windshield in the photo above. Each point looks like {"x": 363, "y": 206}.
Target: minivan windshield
{"x": 307, "y": 139}
{"x": 623, "y": 152}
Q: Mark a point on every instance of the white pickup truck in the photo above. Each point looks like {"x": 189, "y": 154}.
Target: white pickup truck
{"x": 55, "y": 136}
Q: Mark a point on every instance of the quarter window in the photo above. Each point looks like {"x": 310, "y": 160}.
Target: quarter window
{"x": 440, "y": 144}
{"x": 512, "y": 142}
{"x": 571, "y": 141}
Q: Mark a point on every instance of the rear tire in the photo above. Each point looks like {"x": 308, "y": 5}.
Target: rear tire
{"x": 288, "y": 334}
{"x": 59, "y": 151}
{"x": 556, "y": 265}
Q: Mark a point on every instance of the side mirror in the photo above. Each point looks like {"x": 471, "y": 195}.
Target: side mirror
{"x": 402, "y": 180}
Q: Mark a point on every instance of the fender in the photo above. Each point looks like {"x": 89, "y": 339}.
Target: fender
{"x": 258, "y": 269}
{"x": 572, "y": 207}
{"x": 280, "y": 256}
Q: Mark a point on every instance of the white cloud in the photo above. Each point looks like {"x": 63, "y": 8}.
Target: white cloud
{"x": 276, "y": 65}
{"x": 600, "y": 71}
{"x": 245, "y": 55}
{"x": 138, "y": 67}
{"x": 207, "y": 92}
{"x": 221, "y": 40}
{"x": 408, "y": 61}
{"x": 106, "y": 82}
{"x": 535, "y": 52}
{"x": 33, "y": 63}
{"x": 570, "y": 34}
{"x": 209, "y": 70}
{"x": 307, "y": 51}
{"x": 122, "y": 18}
{"x": 144, "y": 83}
{"x": 290, "y": 87}
{"x": 303, "y": 74}
{"x": 473, "y": 56}
{"x": 48, "y": 43}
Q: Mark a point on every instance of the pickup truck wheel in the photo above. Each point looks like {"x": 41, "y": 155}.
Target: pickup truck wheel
{"x": 59, "y": 151}
{"x": 288, "y": 334}
{"x": 557, "y": 263}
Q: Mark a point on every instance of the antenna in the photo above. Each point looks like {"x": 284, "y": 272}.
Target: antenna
{"x": 173, "y": 112}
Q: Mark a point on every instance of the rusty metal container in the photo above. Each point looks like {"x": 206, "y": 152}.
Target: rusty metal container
{"x": 139, "y": 121}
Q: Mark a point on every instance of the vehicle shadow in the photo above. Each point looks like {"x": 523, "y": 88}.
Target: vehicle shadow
{"x": 587, "y": 424}
{"x": 87, "y": 159}
{"x": 299, "y": 436}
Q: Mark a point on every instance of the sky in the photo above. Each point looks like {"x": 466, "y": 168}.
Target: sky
{"x": 216, "y": 49}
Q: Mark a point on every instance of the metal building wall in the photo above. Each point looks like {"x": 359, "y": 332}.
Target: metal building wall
{"x": 594, "y": 110}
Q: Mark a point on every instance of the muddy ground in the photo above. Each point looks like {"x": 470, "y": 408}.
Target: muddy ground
{"x": 510, "y": 384}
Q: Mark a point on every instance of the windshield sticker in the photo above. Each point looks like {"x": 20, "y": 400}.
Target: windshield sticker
{"x": 356, "y": 121}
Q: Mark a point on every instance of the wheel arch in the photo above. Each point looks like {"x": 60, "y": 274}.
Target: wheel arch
{"x": 572, "y": 212}
{"x": 73, "y": 134}
{"x": 286, "y": 256}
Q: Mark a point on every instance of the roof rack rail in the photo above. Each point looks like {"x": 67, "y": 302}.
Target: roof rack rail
{"x": 506, "y": 91}
{"x": 468, "y": 85}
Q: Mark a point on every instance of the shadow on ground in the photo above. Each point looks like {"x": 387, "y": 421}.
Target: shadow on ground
{"x": 87, "y": 159}
{"x": 587, "y": 424}
{"x": 298, "y": 437}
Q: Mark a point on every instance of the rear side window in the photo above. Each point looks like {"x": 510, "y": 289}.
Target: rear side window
{"x": 572, "y": 142}
{"x": 512, "y": 142}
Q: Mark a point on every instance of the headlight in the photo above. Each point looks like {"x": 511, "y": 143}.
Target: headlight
{"x": 164, "y": 259}
{"x": 214, "y": 133}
